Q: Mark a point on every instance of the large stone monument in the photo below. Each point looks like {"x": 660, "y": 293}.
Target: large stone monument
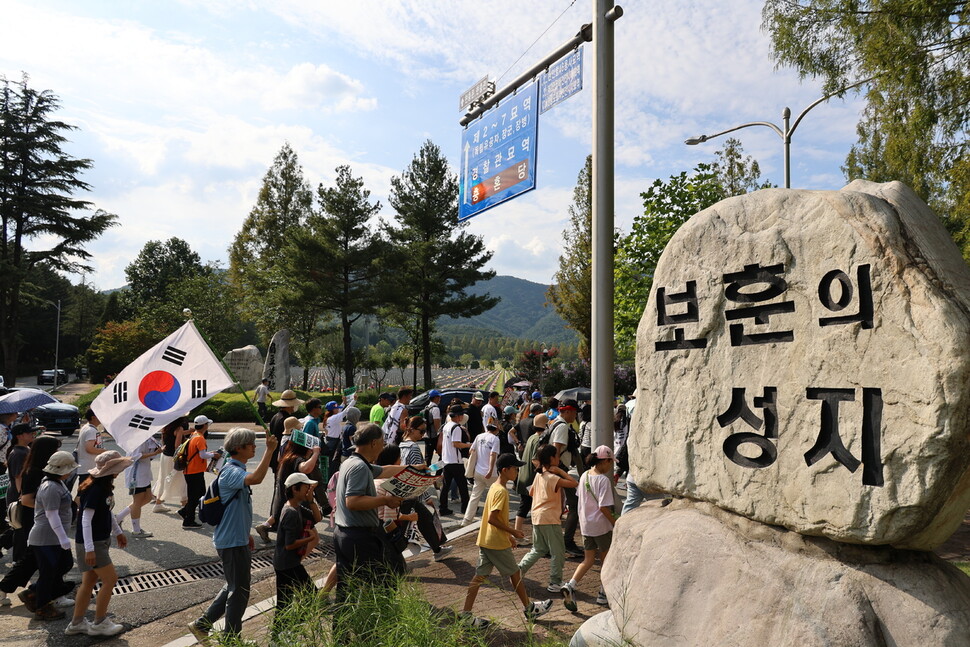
{"x": 803, "y": 369}
{"x": 277, "y": 367}
{"x": 246, "y": 365}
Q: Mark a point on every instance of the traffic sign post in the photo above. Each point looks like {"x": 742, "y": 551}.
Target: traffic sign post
{"x": 498, "y": 154}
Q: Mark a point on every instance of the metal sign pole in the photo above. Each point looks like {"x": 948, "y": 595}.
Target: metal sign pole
{"x": 602, "y": 325}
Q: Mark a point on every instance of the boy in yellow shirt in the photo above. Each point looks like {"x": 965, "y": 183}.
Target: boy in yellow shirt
{"x": 495, "y": 541}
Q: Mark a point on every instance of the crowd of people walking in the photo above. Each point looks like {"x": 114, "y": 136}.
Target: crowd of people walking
{"x": 332, "y": 462}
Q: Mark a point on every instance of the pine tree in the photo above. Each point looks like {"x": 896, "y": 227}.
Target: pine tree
{"x": 37, "y": 209}
{"x": 337, "y": 256}
{"x": 437, "y": 259}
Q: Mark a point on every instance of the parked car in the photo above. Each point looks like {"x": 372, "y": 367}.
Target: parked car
{"x": 47, "y": 377}
{"x": 55, "y": 416}
{"x": 418, "y": 403}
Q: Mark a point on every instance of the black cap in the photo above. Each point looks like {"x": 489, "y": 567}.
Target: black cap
{"x": 494, "y": 394}
{"x": 385, "y": 396}
{"x": 456, "y": 410}
{"x": 508, "y": 460}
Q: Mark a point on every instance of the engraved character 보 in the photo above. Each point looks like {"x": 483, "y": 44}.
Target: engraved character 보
{"x": 665, "y": 300}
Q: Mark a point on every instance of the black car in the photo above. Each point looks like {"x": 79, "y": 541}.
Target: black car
{"x": 47, "y": 377}
{"x": 59, "y": 417}
{"x": 55, "y": 416}
{"x": 417, "y": 405}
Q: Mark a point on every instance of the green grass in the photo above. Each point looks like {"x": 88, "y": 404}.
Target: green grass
{"x": 963, "y": 566}
{"x": 394, "y": 616}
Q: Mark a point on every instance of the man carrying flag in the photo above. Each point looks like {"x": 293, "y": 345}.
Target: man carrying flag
{"x": 175, "y": 376}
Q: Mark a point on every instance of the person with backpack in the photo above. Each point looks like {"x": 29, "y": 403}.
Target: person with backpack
{"x": 432, "y": 416}
{"x": 565, "y": 437}
{"x": 231, "y": 536}
{"x": 486, "y": 450}
{"x": 196, "y": 457}
{"x": 523, "y": 482}
{"x": 452, "y": 442}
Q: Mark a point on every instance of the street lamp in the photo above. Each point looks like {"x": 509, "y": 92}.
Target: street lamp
{"x": 57, "y": 341}
{"x": 785, "y": 133}
{"x": 545, "y": 353}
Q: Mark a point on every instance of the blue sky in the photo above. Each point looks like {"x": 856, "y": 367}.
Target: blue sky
{"x": 182, "y": 105}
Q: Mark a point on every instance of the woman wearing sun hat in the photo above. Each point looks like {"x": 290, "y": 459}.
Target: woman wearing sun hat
{"x": 48, "y": 538}
{"x": 95, "y": 527}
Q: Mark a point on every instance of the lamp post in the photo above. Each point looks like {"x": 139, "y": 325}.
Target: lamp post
{"x": 785, "y": 133}
{"x": 57, "y": 342}
{"x": 542, "y": 356}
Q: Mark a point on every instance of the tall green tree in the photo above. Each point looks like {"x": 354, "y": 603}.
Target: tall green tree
{"x": 337, "y": 258}
{"x": 736, "y": 172}
{"x": 159, "y": 266}
{"x": 439, "y": 260}
{"x": 913, "y": 128}
{"x": 571, "y": 293}
{"x": 38, "y": 182}
{"x": 257, "y": 252}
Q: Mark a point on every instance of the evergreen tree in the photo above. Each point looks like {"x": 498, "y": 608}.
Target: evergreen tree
{"x": 438, "y": 260}
{"x": 157, "y": 267}
{"x": 37, "y": 209}
{"x": 257, "y": 253}
{"x": 337, "y": 256}
{"x": 571, "y": 293}
{"x": 738, "y": 174}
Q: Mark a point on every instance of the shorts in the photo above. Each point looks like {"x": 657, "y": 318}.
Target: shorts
{"x": 138, "y": 490}
{"x": 600, "y": 542}
{"x": 503, "y": 560}
{"x": 101, "y": 556}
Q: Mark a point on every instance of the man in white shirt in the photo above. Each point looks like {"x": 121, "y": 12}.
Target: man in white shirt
{"x": 490, "y": 414}
{"x": 392, "y": 424}
{"x": 486, "y": 448}
{"x": 262, "y": 392}
{"x": 89, "y": 445}
{"x": 452, "y": 442}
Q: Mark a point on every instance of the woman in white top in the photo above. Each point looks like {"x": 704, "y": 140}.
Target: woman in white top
{"x": 486, "y": 448}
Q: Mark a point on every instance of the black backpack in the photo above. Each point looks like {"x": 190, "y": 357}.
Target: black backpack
{"x": 211, "y": 506}
{"x": 429, "y": 419}
{"x": 572, "y": 442}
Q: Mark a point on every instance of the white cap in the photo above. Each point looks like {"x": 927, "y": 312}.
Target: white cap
{"x": 202, "y": 420}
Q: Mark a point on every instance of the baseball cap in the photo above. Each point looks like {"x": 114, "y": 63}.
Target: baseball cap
{"x": 569, "y": 404}
{"x": 296, "y": 478}
{"x": 536, "y": 395}
{"x": 603, "y": 452}
{"x": 510, "y": 409}
{"x": 478, "y": 396}
{"x": 434, "y": 393}
{"x": 508, "y": 460}
{"x": 202, "y": 420}
{"x": 456, "y": 410}
{"x": 333, "y": 405}
{"x": 385, "y": 396}
{"x": 535, "y": 408}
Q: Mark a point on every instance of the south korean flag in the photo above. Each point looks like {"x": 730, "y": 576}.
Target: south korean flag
{"x": 177, "y": 375}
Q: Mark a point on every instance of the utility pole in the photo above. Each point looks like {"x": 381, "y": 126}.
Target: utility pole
{"x": 604, "y": 14}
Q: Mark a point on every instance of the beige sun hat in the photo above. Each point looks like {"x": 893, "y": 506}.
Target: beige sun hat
{"x": 108, "y": 463}
{"x": 60, "y": 463}
{"x": 288, "y": 399}
{"x": 290, "y": 424}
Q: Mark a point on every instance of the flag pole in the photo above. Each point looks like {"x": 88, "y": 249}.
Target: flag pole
{"x": 187, "y": 312}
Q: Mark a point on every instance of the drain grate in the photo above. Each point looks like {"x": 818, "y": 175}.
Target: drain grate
{"x": 162, "y": 579}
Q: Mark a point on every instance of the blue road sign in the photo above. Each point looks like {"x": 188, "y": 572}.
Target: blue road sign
{"x": 498, "y": 154}
{"x": 563, "y": 79}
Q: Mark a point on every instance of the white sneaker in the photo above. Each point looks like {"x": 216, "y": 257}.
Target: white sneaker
{"x": 525, "y": 541}
{"x": 82, "y": 627}
{"x": 443, "y": 553}
{"x": 64, "y": 602}
{"x": 141, "y": 534}
{"x": 555, "y": 588}
{"x": 537, "y": 608}
{"x": 105, "y": 628}
{"x": 4, "y": 600}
